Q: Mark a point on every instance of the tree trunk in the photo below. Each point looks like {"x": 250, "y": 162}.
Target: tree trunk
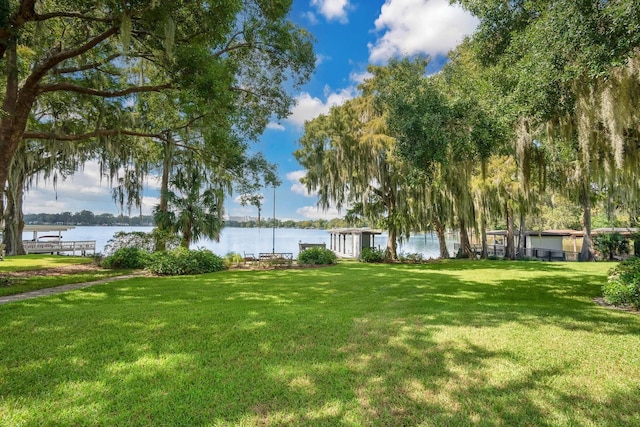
{"x": 510, "y": 243}
{"x": 586, "y": 253}
{"x": 440, "y": 231}
{"x": 483, "y": 236}
{"x": 465, "y": 244}
{"x": 521, "y": 237}
{"x": 16, "y": 106}
{"x": 392, "y": 244}
{"x": 167, "y": 164}
{"x": 14, "y": 219}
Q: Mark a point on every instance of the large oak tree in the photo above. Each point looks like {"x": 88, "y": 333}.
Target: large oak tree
{"x": 233, "y": 58}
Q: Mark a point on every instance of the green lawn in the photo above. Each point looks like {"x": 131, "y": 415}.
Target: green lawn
{"x": 29, "y": 263}
{"x": 39, "y": 262}
{"x": 452, "y": 343}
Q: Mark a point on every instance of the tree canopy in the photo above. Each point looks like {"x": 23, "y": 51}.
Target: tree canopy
{"x": 131, "y": 75}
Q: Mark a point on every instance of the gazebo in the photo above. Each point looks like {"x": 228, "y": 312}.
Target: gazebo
{"x": 349, "y": 242}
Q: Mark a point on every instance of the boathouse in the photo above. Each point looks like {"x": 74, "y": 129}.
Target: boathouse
{"x": 48, "y": 239}
{"x": 349, "y": 242}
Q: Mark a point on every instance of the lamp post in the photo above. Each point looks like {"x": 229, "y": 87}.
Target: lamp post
{"x": 273, "y": 248}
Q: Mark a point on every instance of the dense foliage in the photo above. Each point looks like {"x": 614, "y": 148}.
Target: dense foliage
{"x": 137, "y": 239}
{"x": 181, "y": 261}
{"x": 623, "y": 284}
{"x": 611, "y": 244}
{"x": 317, "y": 256}
{"x": 127, "y": 257}
{"x": 372, "y": 255}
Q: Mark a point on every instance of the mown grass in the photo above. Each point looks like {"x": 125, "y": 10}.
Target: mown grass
{"x": 40, "y": 262}
{"x": 11, "y": 285}
{"x": 451, "y": 343}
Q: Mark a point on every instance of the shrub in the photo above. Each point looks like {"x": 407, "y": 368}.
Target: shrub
{"x": 232, "y": 258}
{"x": 412, "y": 257}
{"x": 623, "y": 284}
{"x": 127, "y": 258}
{"x": 182, "y": 261}
{"x": 140, "y": 239}
{"x": 317, "y": 256}
{"x": 372, "y": 255}
{"x": 611, "y": 244}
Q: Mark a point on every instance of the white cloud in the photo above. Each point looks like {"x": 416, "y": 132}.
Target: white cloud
{"x": 153, "y": 182}
{"x": 311, "y": 17}
{"x": 314, "y": 212}
{"x": 297, "y": 186}
{"x": 332, "y": 10}
{"x": 320, "y": 58}
{"x": 275, "y": 126}
{"x": 308, "y": 107}
{"x": 419, "y": 27}
{"x": 148, "y": 204}
{"x": 359, "y": 77}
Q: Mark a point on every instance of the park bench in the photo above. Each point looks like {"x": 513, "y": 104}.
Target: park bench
{"x": 249, "y": 258}
{"x": 276, "y": 259}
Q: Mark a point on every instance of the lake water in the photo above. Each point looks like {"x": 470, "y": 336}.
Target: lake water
{"x": 256, "y": 240}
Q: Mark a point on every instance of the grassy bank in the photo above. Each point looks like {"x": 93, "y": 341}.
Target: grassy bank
{"x": 452, "y": 343}
{"x": 31, "y": 272}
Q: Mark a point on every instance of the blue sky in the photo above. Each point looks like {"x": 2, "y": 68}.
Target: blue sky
{"x": 350, "y": 35}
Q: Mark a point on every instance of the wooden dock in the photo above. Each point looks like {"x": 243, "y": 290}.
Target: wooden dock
{"x": 79, "y": 247}
{"x": 53, "y": 243}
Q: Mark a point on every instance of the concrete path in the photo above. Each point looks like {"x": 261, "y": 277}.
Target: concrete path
{"x": 60, "y": 289}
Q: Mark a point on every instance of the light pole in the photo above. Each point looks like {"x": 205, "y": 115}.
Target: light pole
{"x": 273, "y": 248}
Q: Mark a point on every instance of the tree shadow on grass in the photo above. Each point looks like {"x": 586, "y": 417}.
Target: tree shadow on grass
{"x": 325, "y": 347}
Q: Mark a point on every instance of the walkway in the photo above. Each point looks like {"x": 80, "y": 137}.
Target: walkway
{"x": 60, "y": 289}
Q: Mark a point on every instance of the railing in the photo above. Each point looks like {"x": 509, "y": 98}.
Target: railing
{"x": 538, "y": 253}
{"x": 56, "y": 247}
{"x": 275, "y": 259}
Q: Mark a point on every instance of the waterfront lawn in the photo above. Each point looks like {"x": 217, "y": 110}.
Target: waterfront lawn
{"x": 26, "y": 273}
{"x": 451, "y": 343}
{"x": 35, "y": 262}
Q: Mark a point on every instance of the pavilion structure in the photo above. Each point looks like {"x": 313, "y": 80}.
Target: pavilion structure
{"x": 349, "y": 242}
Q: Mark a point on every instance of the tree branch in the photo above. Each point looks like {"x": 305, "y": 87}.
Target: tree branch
{"x": 79, "y": 15}
{"x": 88, "y": 66}
{"x": 39, "y": 71}
{"x": 69, "y": 87}
{"x": 50, "y": 136}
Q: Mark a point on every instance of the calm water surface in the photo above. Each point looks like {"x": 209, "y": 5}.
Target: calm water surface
{"x": 256, "y": 240}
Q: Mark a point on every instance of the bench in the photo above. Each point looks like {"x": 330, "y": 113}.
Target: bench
{"x": 249, "y": 258}
{"x": 276, "y": 258}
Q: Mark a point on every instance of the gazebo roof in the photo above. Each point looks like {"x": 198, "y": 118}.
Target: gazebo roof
{"x": 40, "y": 228}
{"x": 352, "y": 231}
